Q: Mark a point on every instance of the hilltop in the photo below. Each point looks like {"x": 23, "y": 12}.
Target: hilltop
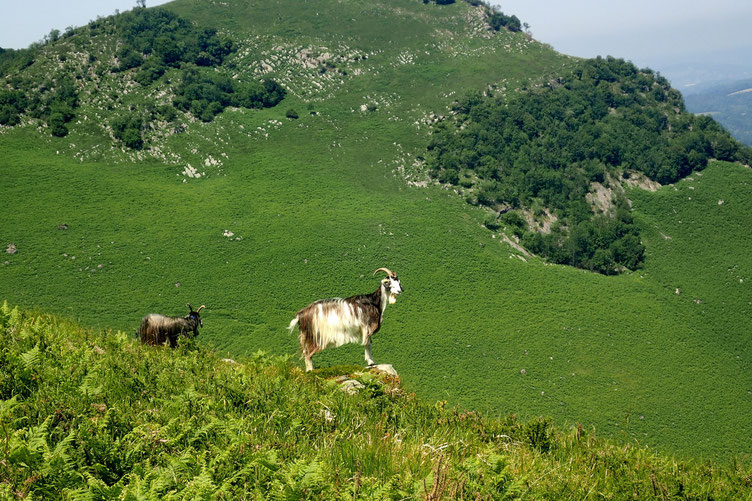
{"x": 256, "y": 213}
{"x": 93, "y": 414}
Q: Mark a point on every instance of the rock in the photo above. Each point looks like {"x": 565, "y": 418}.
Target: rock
{"x": 62, "y": 226}
{"x": 351, "y": 386}
{"x": 11, "y": 249}
{"x": 385, "y": 368}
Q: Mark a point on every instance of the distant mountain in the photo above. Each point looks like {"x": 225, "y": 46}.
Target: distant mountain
{"x": 730, "y": 103}
{"x": 695, "y": 73}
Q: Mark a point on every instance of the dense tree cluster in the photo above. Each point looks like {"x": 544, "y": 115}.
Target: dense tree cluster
{"x": 127, "y": 128}
{"x": 207, "y": 94}
{"x": 496, "y": 18}
{"x": 164, "y": 39}
{"x": 12, "y": 104}
{"x": 155, "y": 40}
{"x": 52, "y": 102}
{"x": 545, "y": 147}
{"x": 16, "y": 60}
{"x": 151, "y": 42}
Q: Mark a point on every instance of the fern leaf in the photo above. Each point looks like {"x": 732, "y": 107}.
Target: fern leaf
{"x": 32, "y": 358}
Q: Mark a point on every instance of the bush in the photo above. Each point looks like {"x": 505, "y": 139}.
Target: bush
{"x": 491, "y": 221}
{"x": 57, "y": 125}
{"x": 127, "y": 128}
{"x": 291, "y": 114}
{"x": 206, "y": 95}
{"x": 150, "y": 71}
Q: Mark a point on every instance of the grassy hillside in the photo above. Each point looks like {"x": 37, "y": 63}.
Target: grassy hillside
{"x": 316, "y": 204}
{"x": 90, "y": 414}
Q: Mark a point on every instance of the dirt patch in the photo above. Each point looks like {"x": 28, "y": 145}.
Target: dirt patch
{"x": 515, "y": 245}
{"x": 640, "y": 180}
{"x": 541, "y": 224}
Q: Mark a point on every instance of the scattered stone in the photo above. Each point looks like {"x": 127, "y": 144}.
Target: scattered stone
{"x": 351, "y": 386}
{"x": 523, "y": 372}
{"x": 385, "y": 368}
{"x": 677, "y": 291}
{"x": 11, "y": 249}
{"x": 229, "y": 361}
{"x": 62, "y": 226}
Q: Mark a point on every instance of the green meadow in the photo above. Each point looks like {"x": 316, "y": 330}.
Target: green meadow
{"x": 289, "y": 211}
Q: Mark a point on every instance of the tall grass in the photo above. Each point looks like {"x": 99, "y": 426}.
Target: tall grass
{"x": 89, "y": 414}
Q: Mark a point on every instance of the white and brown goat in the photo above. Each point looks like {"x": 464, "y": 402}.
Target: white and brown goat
{"x": 159, "y": 329}
{"x": 334, "y": 322}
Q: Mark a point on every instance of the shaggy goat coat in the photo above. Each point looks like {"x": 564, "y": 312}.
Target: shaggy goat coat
{"x": 157, "y": 329}
{"x": 335, "y": 322}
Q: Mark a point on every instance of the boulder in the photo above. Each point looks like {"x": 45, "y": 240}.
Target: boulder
{"x": 351, "y": 386}
{"x": 385, "y": 368}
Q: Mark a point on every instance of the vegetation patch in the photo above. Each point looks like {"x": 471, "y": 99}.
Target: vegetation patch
{"x": 95, "y": 415}
{"x": 547, "y": 147}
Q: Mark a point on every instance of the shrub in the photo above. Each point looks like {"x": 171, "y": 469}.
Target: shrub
{"x": 127, "y": 128}
{"x": 57, "y": 125}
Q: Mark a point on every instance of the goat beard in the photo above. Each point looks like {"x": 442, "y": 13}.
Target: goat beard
{"x": 392, "y": 298}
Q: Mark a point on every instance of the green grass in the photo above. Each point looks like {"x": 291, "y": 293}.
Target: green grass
{"x": 319, "y": 203}
{"x": 90, "y": 414}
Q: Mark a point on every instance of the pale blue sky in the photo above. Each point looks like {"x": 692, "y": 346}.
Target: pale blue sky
{"x": 647, "y": 32}
{"x": 26, "y": 21}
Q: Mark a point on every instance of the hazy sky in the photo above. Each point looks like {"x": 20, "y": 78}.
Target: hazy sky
{"x": 647, "y": 32}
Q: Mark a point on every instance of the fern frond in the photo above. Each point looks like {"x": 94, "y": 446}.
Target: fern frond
{"x": 32, "y": 358}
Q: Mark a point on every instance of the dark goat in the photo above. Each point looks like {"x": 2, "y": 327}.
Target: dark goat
{"x": 334, "y": 322}
{"x": 159, "y": 329}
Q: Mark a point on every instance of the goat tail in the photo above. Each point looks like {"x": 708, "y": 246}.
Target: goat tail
{"x": 143, "y": 330}
{"x": 292, "y": 325}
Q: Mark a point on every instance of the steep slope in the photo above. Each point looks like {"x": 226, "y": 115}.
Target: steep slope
{"x": 316, "y": 204}
{"x": 90, "y": 414}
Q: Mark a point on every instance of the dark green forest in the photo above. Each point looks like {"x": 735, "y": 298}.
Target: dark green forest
{"x": 543, "y": 148}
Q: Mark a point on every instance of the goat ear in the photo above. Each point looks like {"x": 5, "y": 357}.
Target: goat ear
{"x": 190, "y": 308}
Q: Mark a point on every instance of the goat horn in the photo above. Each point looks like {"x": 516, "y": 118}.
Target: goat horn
{"x": 385, "y": 270}
{"x": 201, "y": 308}
{"x": 190, "y": 308}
